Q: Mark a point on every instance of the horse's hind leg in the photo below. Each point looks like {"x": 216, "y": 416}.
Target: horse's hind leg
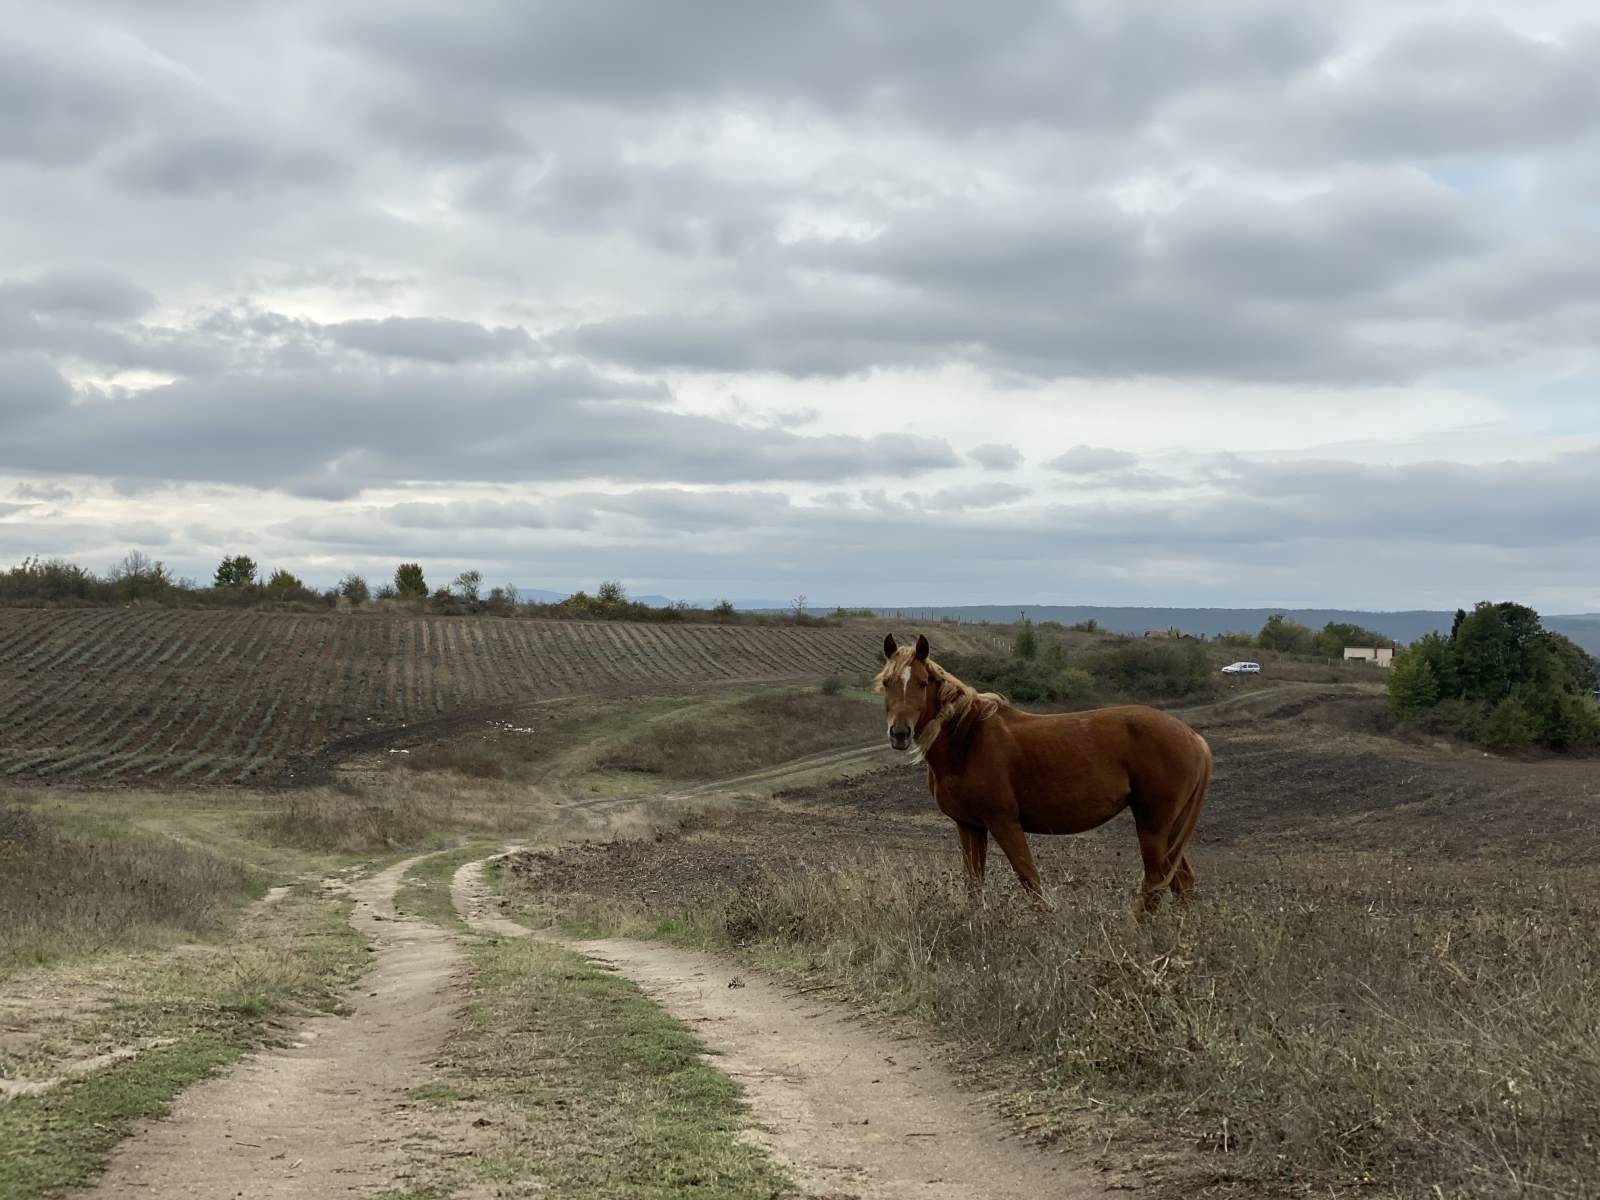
{"x": 1153, "y": 849}
{"x": 1182, "y": 880}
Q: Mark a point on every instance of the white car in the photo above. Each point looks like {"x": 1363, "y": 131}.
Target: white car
{"x": 1242, "y": 668}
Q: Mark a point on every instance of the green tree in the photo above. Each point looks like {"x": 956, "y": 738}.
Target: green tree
{"x": 409, "y": 583}
{"x": 237, "y": 571}
{"x": 723, "y": 610}
{"x": 1413, "y": 687}
{"x": 1026, "y": 644}
{"x": 354, "y": 588}
{"x": 1510, "y": 725}
{"x": 469, "y": 583}
{"x": 1498, "y": 647}
{"x": 1441, "y": 661}
{"x": 611, "y": 591}
{"x": 1288, "y": 637}
{"x": 283, "y": 580}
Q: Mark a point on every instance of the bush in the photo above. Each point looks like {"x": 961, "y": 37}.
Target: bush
{"x": 1153, "y": 668}
{"x": 723, "y": 610}
{"x": 1288, "y": 637}
{"x": 409, "y": 583}
{"x": 354, "y": 589}
{"x": 1026, "y": 681}
{"x": 831, "y": 686}
{"x": 611, "y": 591}
{"x": 1026, "y": 644}
{"x": 1412, "y": 686}
{"x": 53, "y": 580}
{"x": 1509, "y": 727}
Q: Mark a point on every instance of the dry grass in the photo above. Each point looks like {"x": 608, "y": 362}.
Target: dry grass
{"x": 64, "y": 894}
{"x": 716, "y": 741}
{"x": 400, "y": 810}
{"x": 1374, "y": 1025}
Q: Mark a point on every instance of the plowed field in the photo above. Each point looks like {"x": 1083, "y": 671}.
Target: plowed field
{"x": 138, "y": 696}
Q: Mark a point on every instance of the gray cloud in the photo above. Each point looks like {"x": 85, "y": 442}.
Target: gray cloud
{"x": 1090, "y": 460}
{"x": 334, "y": 433}
{"x": 996, "y": 456}
{"x": 77, "y": 292}
{"x": 37, "y": 492}
{"x": 431, "y": 340}
{"x": 1030, "y": 61}
{"x": 1444, "y": 87}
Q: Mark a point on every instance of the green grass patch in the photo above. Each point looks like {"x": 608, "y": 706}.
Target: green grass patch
{"x": 589, "y": 1088}
{"x": 197, "y": 1009}
{"x": 425, "y": 890}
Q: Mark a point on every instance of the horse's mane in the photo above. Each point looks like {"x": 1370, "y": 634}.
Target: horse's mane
{"x": 957, "y": 700}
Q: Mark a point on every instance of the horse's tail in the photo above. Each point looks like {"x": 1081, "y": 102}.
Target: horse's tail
{"x": 1188, "y": 817}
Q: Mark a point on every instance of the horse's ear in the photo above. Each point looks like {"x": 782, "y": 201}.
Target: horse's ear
{"x": 922, "y": 647}
{"x": 889, "y": 645}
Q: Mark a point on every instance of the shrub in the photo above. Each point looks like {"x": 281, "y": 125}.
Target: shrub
{"x": 1412, "y": 685}
{"x": 409, "y": 583}
{"x": 53, "y": 579}
{"x": 1026, "y": 644}
{"x": 1153, "y": 668}
{"x": 354, "y": 589}
{"x": 611, "y": 591}
{"x": 1510, "y": 726}
{"x": 1288, "y": 637}
{"x": 1026, "y": 681}
{"x": 723, "y": 610}
{"x": 285, "y": 585}
{"x": 831, "y": 686}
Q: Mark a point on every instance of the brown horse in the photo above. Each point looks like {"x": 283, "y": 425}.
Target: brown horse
{"x": 994, "y": 769}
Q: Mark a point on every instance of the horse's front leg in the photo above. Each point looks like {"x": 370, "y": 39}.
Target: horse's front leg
{"x": 1014, "y": 842}
{"x": 974, "y": 853}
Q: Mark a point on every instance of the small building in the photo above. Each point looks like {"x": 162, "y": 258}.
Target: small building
{"x": 1378, "y": 656}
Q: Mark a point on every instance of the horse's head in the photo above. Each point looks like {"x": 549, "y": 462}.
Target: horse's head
{"x": 910, "y": 691}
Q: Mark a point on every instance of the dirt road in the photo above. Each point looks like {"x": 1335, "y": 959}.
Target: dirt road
{"x": 851, "y": 1113}
{"x": 317, "y": 1118}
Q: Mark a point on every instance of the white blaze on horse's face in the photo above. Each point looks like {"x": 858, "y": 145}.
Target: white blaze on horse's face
{"x": 905, "y": 696}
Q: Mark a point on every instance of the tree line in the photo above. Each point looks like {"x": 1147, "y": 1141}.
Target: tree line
{"x": 239, "y": 580}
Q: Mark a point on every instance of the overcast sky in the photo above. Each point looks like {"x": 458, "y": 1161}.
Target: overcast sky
{"x": 1128, "y": 302}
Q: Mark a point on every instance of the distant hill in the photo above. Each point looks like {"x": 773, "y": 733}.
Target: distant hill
{"x": 1404, "y": 626}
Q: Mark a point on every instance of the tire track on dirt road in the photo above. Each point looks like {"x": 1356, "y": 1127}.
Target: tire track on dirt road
{"x": 320, "y": 1116}
{"x": 851, "y": 1113}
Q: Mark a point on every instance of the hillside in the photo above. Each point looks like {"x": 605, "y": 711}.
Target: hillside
{"x": 1403, "y": 626}
{"x": 196, "y": 696}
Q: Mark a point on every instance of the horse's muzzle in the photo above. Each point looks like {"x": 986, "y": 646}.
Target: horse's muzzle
{"x": 900, "y": 737}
